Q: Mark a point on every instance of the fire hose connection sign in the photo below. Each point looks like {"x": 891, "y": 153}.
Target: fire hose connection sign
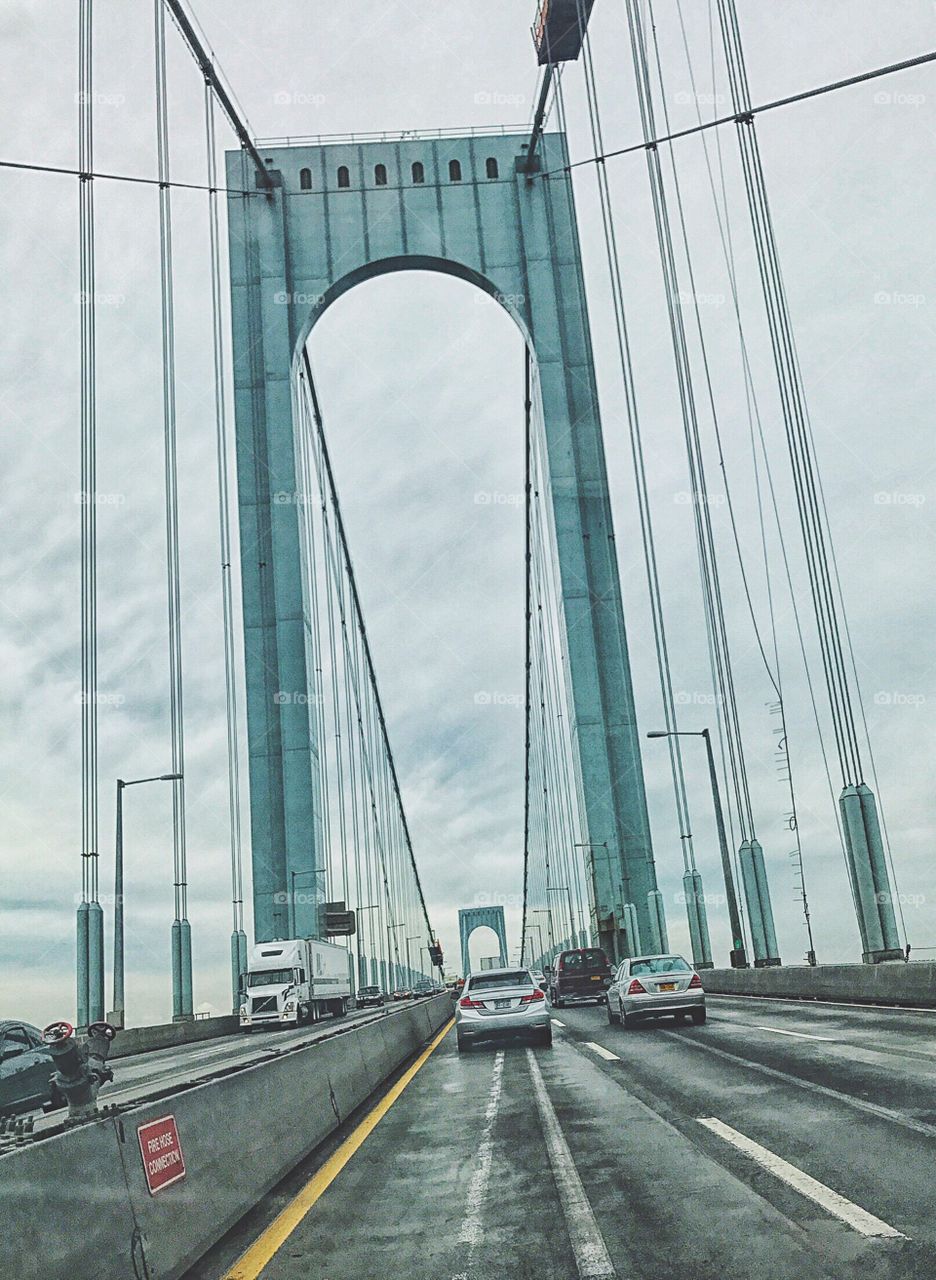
{"x": 161, "y": 1150}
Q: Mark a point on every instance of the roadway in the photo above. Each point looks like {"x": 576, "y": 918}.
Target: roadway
{"x": 780, "y": 1141}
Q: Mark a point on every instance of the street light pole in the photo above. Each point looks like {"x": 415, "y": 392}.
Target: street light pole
{"x": 738, "y": 956}
{"x": 118, "y": 1014}
{"x": 412, "y": 937}
{"x": 390, "y": 930}
{"x": 372, "y": 906}
{"x": 564, "y": 888}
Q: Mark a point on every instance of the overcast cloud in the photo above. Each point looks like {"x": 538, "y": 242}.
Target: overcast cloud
{"x": 421, "y": 384}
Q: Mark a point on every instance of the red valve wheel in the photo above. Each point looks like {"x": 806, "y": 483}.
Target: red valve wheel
{"x": 56, "y": 1032}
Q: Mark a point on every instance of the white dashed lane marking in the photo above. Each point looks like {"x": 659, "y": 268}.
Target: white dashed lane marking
{"x": 858, "y": 1219}
{"x": 602, "y": 1051}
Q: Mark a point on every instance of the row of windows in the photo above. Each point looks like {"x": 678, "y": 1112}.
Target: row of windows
{"x": 380, "y": 174}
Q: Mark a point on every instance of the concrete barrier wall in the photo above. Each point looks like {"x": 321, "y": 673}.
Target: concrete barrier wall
{"x": 168, "y": 1035}
{"x": 898, "y": 983}
{"x": 78, "y": 1205}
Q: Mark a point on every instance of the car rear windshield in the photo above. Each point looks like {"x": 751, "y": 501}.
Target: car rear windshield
{"x": 520, "y": 978}
{"x": 659, "y": 964}
{"x": 588, "y": 961}
{"x": 369, "y": 991}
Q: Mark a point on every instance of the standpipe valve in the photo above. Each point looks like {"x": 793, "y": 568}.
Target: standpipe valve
{"x": 81, "y": 1069}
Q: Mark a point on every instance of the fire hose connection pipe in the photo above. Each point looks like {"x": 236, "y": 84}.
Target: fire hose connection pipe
{"x": 81, "y": 1069}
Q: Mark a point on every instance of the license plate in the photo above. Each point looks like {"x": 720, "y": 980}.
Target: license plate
{"x": 667, "y": 986}
{"x": 596, "y": 979}
{"x": 501, "y": 1004}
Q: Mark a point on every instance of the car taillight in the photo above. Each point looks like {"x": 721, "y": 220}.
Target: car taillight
{"x": 636, "y": 988}
{"x": 466, "y": 1002}
{"x": 695, "y": 981}
{"x": 536, "y": 995}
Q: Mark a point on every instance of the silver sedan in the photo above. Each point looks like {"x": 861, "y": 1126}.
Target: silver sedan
{"x": 501, "y": 1002}
{"x": 655, "y": 987}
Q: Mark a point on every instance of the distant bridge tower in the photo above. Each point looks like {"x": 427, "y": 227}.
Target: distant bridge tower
{"x": 340, "y": 214}
{"x": 471, "y": 918}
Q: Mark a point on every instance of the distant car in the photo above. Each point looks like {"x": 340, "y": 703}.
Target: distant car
{"x": 369, "y": 996}
{"x": 656, "y": 987}
{"x": 501, "y": 1003}
{"x": 581, "y": 974}
{"x": 402, "y": 993}
{"x": 540, "y": 979}
{"x": 26, "y": 1069}
{"x": 423, "y": 989}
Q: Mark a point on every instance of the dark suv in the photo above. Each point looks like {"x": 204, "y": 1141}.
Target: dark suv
{"x": 579, "y": 975}
{"x": 369, "y": 996}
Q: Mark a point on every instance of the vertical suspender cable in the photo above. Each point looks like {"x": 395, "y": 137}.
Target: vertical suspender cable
{"x": 238, "y": 936}
{"x": 182, "y": 1006}
{"x": 90, "y": 937}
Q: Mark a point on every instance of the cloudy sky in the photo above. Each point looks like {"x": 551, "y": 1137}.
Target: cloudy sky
{"x": 421, "y": 384}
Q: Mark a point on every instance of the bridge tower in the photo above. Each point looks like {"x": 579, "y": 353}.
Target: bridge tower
{"x": 339, "y": 214}
{"x": 471, "y": 918}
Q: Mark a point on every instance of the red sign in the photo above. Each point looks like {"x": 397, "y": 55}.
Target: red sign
{"x": 162, "y": 1153}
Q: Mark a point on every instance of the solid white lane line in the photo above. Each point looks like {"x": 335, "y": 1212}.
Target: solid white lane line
{"x": 602, "y": 1051}
{"x": 852, "y": 1215}
{"x": 591, "y": 1255}
{"x": 556, "y": 1022}
{"x": 800, "y": 1035}
{"x": 859, "y": 1104}
{"x": 472, "y": 1227}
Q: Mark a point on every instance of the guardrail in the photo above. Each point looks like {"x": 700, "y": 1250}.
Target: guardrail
{"x": 168, "y": 1035}
{"x": 911, "y": 985}
{"x": 102, "y": 1200}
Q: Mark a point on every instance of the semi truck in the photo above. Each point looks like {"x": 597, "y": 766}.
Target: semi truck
{"x": 295, "y": 981}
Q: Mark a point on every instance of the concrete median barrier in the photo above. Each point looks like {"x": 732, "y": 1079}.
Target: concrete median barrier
{"x": 169, "y": 1035}
{"x": 913, "y": 985}
{"x": 78, "y": 1204}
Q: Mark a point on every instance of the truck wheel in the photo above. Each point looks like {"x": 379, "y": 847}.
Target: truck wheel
{"x": 338, "y": 1008}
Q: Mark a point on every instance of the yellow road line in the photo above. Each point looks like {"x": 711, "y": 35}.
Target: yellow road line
{"x": 249, "y": 1265}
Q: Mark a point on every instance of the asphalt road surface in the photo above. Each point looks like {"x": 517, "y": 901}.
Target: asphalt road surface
{"x": 778, "y": 1142}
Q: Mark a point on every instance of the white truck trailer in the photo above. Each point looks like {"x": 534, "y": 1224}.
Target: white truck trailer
{"x": 295, "y": 981}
